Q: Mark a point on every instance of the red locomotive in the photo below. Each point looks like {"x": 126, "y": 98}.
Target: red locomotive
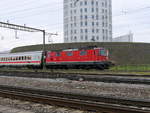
{"x": 78, "y": 58}
{"x": 72, "y": 58}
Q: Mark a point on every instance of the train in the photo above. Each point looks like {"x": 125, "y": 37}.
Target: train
{"x": 85, "y": 58}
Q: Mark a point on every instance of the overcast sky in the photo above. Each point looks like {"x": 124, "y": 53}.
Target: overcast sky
{"x": 128, "y": 15}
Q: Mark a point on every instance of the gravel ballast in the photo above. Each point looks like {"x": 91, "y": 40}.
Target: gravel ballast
{"x": 35, "y": 108}
{"x": 119, "y": 90}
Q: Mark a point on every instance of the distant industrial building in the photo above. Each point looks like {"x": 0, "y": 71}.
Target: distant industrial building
{"x": 87, "y": 21}
{"x": 124, "y": 38}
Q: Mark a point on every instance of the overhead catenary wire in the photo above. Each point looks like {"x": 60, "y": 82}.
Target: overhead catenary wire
{"x": 26, "y": 9}
{"x": 17, "y": 4}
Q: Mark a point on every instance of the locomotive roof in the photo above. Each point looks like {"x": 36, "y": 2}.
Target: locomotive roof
{"x": 76, "y": 49}
{"x": 82, "y": 49}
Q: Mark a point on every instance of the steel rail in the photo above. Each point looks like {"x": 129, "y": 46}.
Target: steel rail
{"x": 85, "y": 102}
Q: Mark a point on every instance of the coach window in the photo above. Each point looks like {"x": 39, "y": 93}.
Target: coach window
{"x": 25, "y": 57}
{"x": 69, "y": 53}
{"x": 19, "y": 58}
{"x": 29, "y": 57}
{"x": 82, "y": 53}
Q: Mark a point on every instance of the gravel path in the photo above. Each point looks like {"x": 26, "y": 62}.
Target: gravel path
{"x": 132, "y": 91}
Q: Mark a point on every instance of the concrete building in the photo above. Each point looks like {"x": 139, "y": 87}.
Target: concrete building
{"x": 87, "y": 21}
{"x": 124, "y": 38}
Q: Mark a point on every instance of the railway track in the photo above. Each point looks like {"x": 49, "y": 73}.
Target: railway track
{"x": 78, "y": 101}
{"x": 130, "y": 79}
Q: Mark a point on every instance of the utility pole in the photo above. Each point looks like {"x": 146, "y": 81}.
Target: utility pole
{"x": 26, "y": 29}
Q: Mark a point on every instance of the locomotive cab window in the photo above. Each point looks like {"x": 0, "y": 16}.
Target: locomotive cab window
{"x": 103, "y": 52}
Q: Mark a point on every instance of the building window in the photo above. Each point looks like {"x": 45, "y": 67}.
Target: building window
{"x": 93, "y": 38}
{"x": 103, "y": 10}
{"x": 75, "y": 38}
{"x": 102, "y": 4}
{"x": 71, "y": 12}
{"x": 97, "y": 23}
{"x": 92, "y": 2}
{"x": 81, "y": 17}
{"x": 81, "y": 37}
{"x": 103, "y": 31}
{"x": 97, "y": 37}
{"x": 81, "y": 10}
{"x": 71, "y": 18}
{"x": 81, "y": 23}
{"x": 86, "y": 31}
{"x": 81, "y": 30}
{"x": 97, "y": 3}
{"x": 86, "y": 17}
{"x": 97, "y": 10}
{"x": 92, "y": 9}
{"x": 92, "y": 16}
{"x": 97, "y": 30}
{"x": 86, "y": 37}
{"x": 71, "y": 5}
{"x": 93, "y": 31}
{"x": 103, "y": 17}
{"x": 75, "y": 18}
{"x": 81, "y": 3}
{"x": 75, "y": 31}
{"x": 97, "y": 17}
{"x": 103, "y": 37}
{"x": 86, "y": 23}
{"x": 103, "y": 24}
{"x": 105, "y": 4}
{"x": 85, "y": 10}
{"x": 92, "y": 23}
{"x": 106, "y": 24}
{"x": 106, "y": 31}
{"x": 85, "y": 3}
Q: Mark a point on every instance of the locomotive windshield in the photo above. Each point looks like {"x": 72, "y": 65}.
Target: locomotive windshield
{"x": 103, "y": 52}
